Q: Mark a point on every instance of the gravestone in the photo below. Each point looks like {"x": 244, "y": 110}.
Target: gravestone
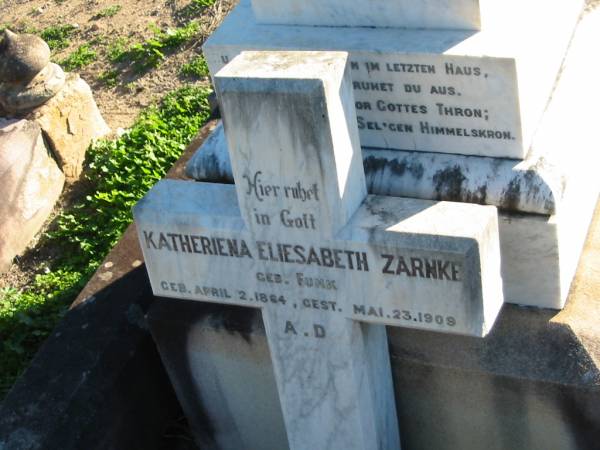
{"x": 453, "y": 14}
{"x": 328, "y": 265}
{"x": 545, "y": 200}
{"x": 417, "y": 87}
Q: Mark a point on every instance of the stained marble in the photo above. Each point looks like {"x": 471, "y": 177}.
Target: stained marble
{"x": 450, "y": 91}
{"x": 328, "y": 265}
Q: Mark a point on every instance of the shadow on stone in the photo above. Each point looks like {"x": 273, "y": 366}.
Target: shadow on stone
{"x": 97, "y": 382}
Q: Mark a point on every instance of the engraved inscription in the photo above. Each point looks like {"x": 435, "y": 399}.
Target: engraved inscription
{"x": 422, "y": 105}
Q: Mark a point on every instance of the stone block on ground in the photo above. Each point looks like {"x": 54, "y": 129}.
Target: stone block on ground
{"x": 71, "y": 121}
{"x": 30, "y": 183}
{"x": 27, "y": 77}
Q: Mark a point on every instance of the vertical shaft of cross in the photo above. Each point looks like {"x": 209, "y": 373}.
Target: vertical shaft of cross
{"x": 301, "y": 104}
{"x": 334, "y": 382}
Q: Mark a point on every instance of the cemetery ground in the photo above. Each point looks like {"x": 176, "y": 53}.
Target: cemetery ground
{"x": 144, "y": 64}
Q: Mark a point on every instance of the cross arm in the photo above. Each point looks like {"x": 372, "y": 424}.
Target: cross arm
{"x": 435, "y": 265}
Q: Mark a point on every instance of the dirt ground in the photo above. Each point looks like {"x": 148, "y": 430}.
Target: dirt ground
{"x": 122, "y": 103}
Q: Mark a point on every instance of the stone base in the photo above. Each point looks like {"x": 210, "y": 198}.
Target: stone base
{"x": 219, "y": 363}
{"x": 505, "y": 74}
{"x": 532, "y": 384}
{"x": 30, "y": 183}
{"x": 71, "y": 121}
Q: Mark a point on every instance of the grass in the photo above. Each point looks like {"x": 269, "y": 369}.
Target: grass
{"x": 80, "y": 58}
{"x": 195, "y": 8}
{"x": 150, "y": 53}
{"x": 20, "y": 26}
{"x": 58, "y": 37}
{"x": 108, "y": 12}
{"x": 120, "y": 172}
{"x": 109, "y": 77}
{"x": 117, "y": 49}
{"x": 203, "y": 3}
{"x": 196, "y": 68}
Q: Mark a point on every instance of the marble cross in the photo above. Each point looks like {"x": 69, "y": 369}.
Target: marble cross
{"x": 328, "y": 265}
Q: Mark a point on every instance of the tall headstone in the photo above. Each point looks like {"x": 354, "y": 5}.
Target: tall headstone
{"x": 449, "y": 114}
{"x": 417, "y": 87}
{"x": 328, "y": 265}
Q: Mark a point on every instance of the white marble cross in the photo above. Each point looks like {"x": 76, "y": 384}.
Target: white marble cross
{"x": 328, "y": 265}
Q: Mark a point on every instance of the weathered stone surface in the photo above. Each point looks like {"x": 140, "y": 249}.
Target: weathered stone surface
{"x": 546, "y": 200}
{"x": 533, "y": 383}
{"x": 18, "y": 98}
{"x": 27, "y": 78}
{"x": 459, "y": 14}
{"x": 71, "y": 121}
{"x": 550, "y": 237}
{"x": 327, "y": 264}
{"x": 224, "y": 379}
{"x": 22, "y": 56}
{"x": 537, "y": 368}
{"x": 298, "y": 156}
{"x": 30, "y": 183}
{"x": 433, "y": 14}
{"x": 535, "y": 185}
{"x": 451, "y": 91}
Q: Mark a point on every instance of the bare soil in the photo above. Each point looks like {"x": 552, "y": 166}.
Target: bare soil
{"x": 135, "y": 91}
